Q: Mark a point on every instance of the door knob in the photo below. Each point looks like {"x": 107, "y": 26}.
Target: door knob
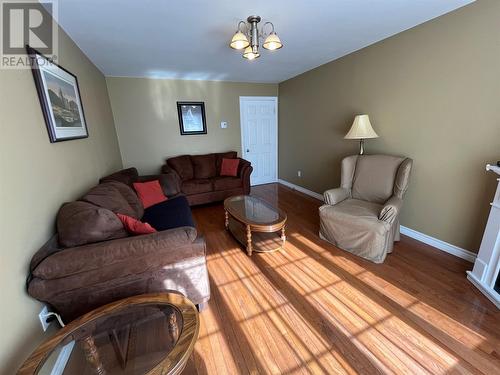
{"x": 248, "y": 150}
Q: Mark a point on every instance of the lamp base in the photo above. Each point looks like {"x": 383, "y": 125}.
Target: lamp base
{"x": 361, "y": 146}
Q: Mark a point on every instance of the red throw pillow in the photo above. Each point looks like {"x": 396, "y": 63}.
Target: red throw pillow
{"x": 134, "y": 226}
{"x": 150, "y": 193}
{"x": 229, "y": 167}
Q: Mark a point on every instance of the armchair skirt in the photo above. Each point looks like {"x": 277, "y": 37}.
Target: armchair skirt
{"x": 366, "y": 236}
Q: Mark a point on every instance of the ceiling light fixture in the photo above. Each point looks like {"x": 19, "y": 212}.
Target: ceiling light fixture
{"x": 248, "y": 36}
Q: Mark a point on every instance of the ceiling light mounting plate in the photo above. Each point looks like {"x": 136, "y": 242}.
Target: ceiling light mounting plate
{"x": 252, "y": 19}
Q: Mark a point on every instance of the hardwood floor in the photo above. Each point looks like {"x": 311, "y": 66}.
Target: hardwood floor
{"x": 316, "y": 309}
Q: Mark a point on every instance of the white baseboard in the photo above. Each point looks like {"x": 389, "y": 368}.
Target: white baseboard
{"x": 439, "y": 244}
{"x": 301, "y": 189}
{"x": 434, "y": 242}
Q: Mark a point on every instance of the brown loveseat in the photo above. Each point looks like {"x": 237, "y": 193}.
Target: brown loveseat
{"x": 93, "y": 261}
{"x": 199, "y": 177}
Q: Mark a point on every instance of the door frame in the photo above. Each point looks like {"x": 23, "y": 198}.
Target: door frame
{"x": 273, "y": 99}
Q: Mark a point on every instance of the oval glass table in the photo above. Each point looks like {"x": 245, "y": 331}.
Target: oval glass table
{"x": 253, "y": 222}
{"x": 145, "y": 334}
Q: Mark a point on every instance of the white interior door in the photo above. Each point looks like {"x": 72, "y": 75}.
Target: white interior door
{"x": 259, "y": 136}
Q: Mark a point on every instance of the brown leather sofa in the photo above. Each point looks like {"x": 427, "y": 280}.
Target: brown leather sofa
{"x": 198, "y": 177}
{"x": 93, "y": 261}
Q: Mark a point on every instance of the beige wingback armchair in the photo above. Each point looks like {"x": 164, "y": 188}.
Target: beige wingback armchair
{"x": 362, "y": 216}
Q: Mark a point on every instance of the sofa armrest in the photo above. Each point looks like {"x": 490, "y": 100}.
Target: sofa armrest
{"x": 391, "y": 209}
{"x": 95, "y": 256}
{"x": 334, "y": 196}
{"x": 244, "y": 171}
{"x": 166, "y": 169}
{"x": 170, "y": 182}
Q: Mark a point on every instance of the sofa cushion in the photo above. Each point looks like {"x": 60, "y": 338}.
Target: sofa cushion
{"x": 196, "y": 186}
{"x": 183, "y": 166}
{"x": 134, "y": 226}
{"x": 204, "y": 166}
{"x": 80, "y": 223}
{"x": 223, "y": 155}
{"x": 229, "y": 167}
{"x": 125, "y": 176}
{"x": 116, "y": 197}
{"x": 169, "y": 182}
{"x": 149, "y": 192}
{"x": 170, "y": 214}
{"x": 131, "y": 197}
{"x": 227, "y": 183}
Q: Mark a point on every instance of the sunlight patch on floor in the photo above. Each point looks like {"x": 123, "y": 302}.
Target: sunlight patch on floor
{"x": 270, "y": 317}
{"x": 417, "y": 339}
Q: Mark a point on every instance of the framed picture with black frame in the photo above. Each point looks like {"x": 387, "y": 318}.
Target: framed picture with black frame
{"x": 192, "y": 119}
{"x": 60, "y": 98}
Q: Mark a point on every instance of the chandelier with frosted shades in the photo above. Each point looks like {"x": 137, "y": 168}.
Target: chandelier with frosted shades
{"x": 248, "y": 36}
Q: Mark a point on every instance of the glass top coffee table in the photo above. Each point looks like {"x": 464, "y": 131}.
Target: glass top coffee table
{"x": 146, "y": 334}
{"x": 253, "y": 222}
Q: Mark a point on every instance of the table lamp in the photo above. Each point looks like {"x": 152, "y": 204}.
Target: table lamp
{"x": 361, "y": 129}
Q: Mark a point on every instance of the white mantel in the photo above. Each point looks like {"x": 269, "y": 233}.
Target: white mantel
{"x": 487, "y": 264}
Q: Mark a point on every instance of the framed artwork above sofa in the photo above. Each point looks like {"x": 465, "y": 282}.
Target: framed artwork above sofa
{"x": 192, "y": 118}
{"x": 60, "y": 99}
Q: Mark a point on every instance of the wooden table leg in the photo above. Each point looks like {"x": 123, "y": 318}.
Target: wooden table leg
{"x": 173, "y": 328}
{"x": 120, "y": 342}
{"x": 92, "y": 355}
{"x": 226, "y": 221}
{"x": 249, "y": 241}
{"x": 283, "y": 237}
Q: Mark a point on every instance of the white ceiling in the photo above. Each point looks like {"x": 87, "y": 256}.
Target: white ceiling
{"x": 188, "y": 39}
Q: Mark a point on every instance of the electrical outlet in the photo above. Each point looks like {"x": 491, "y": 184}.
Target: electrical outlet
{"x": 44, "y": 314}
{"x": 223, "y": 125}
{"x": 299, "y": 173}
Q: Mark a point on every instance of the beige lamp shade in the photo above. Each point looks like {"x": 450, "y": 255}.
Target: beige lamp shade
{"x": 361, "y": 128}
{"x": 239, "y": 41}
{"x": 272, "y": 42}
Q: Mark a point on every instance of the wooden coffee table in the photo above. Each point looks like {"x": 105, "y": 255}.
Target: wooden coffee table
{"x": 253, "y": 222}
{"x": 146, "y": 334}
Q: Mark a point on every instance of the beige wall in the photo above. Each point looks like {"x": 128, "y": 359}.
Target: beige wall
{"x": 145, "y": 114}
{"x": 433, "y": 94}
{"x": 36, "y": 178}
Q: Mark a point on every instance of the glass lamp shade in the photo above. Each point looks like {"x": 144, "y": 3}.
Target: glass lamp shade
{"x": 249, "y": 54}
{"x": 239, "y": 41}
{"x": 272, "y": 42}
{"x": 361, "y": 128}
